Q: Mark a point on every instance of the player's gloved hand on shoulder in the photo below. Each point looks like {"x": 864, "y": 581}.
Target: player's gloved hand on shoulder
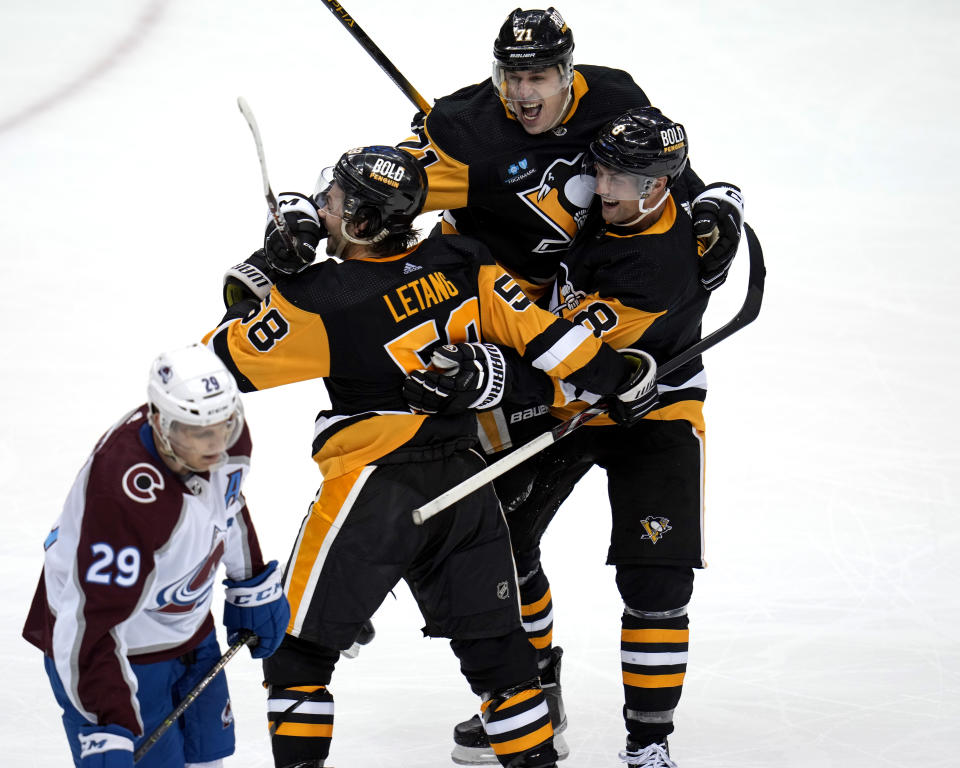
{"x": 259, "y": 605}
{"x": 105, "y": 746}
{"x": 717, "y": 219}
{"x": 302, "y": 220}
{"x": 250, "y": 279}
{"x": 637, "y": 396}
{"x": 461, "y": 377}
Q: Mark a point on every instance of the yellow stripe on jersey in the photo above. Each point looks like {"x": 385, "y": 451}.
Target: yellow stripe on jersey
{"x": 533, "y": 290}
{"x": 493, "y": 431}
{"x": 619, "y": 325}
{"x": 366, "y": 441}
{"x": 316, "y": 529}
{"x": 509, "y": 317}
{"x": 447, "y": 178}
{"x": 281, "y": 344}
{"x": 691, "y": 410}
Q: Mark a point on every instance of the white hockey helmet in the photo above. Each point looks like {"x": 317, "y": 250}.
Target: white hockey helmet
{"x": 192, "y": 387}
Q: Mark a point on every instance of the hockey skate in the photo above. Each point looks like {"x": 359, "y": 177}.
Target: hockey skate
{"x": 471, "y": 746}
{"x": 651, "y": 756}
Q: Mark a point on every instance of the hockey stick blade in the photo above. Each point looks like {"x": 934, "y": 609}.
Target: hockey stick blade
{"x": 245, "y": 638}
{"x": 747, "y": 314}
{"x": 288, "y": 237}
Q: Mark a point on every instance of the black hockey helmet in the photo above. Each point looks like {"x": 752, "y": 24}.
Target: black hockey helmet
{"x": 642, "y": 142}
{"x": 534, "y": 39}
{"x": 383, "y": 187}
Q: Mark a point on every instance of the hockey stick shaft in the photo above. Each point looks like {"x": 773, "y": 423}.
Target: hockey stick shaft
{"x": 244, "y": 639}
{"x": 350, "y": 24}
{"x": 289, "y": 239}
{"x": 747, "y": 314}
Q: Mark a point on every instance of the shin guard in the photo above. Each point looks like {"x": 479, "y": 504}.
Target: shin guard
{"x": 517, "y": 723}
{"x": 301, "y": 724}
{"x": 653, "y": 653}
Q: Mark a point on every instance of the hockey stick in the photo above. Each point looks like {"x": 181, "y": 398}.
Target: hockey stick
{"x": 344, "y": 17}
{"x": 289, "y": 239}
{"x": 747, "y": 314}
{"x": 244, "y": 639}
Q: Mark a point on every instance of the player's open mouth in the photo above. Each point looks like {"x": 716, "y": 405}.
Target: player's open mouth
{"x": 530, "y": 112}
{"x": 609, "y": 204}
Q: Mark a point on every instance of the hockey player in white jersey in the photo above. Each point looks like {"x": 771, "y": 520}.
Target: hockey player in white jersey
{"x": 122, "y": 610}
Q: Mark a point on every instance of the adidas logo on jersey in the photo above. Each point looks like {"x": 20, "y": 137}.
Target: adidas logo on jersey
{"x": 408, "y": 268}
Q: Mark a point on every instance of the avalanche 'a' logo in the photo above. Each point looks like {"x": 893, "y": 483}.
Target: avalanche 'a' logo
{"x": 234, "y": 479}
{"x": 655, "y": 527}
{"x": 183, "y": 595}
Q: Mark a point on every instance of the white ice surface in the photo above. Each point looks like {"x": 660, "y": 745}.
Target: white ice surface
{"x": 825, "y": 631}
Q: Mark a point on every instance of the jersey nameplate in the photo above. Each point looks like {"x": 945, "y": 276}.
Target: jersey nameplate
{"x": 419, "y": 294}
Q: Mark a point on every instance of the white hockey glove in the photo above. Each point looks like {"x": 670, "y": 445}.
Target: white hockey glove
{"x": 462, "y": 377}
{"x": 250, "y": 279}
{"x": 300, "y": 214}
{"x": 717, "y": 219}
{"x": 637, "y": 396}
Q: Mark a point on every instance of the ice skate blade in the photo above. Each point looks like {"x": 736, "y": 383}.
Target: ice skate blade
{"x": 485, "y": 755}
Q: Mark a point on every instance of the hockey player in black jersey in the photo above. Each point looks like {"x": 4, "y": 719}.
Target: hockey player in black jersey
{"x": 631, "y": 277}
{"x": 363, "y": 322}
{"x": 503, "y": 156}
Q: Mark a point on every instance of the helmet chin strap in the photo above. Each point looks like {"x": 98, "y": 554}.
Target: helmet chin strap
{"x": 347, "y": 237}
{"x": 563, "y": 112}
{"x": 644, "y": 212}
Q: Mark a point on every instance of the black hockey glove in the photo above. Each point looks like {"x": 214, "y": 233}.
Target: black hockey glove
{"x": 717, "y": 219}
{"x": 637, "y": 396}
{"x": 300, "y": 214}
{"x": 462, "y": 377}
{"x": 250, "y": 279}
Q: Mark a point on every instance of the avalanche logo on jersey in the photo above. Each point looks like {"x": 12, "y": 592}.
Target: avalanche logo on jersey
{"x": 655, "y": 527}
{"x": 234, "y": 479}
{"x": 183, "y": 595}
{"x": 561, "y": 199}
{"x": 141, "y": 483}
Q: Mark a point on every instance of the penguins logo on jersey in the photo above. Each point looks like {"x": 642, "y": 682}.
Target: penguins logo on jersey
{"x": 141, "y": 483}
{"x": 560, "y": 199}
{"x": 183, "y": 595}
{"x": 655, "y": 527}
